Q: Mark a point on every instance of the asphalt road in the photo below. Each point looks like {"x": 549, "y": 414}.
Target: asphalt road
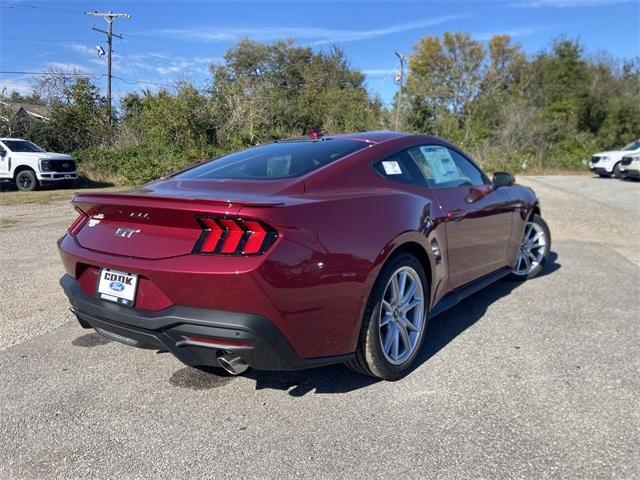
{"x": 532, "y": 380}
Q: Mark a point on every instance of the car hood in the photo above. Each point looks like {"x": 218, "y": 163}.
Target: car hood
{"x": 616, "y": 153}
{"x": 49, "y": 155}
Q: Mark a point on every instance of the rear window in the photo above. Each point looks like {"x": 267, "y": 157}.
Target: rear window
{"x": 276, "y": 160}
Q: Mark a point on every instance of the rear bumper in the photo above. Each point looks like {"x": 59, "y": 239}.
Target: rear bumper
{"x": 252, "y": 337}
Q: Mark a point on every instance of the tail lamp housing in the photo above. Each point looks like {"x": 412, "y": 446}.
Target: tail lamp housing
{"x": 234, "y": 236}
{"x": 78, "y": 223}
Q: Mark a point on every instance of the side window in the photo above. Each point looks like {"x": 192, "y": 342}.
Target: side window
{"x": 443, "y": 167}
{"x": 473, "y": 173}
{"x": 402, "y": 167}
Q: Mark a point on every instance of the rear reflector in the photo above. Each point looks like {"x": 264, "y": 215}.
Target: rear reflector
{"x": 217, "y": 342}
{"x": 234, "y": 236}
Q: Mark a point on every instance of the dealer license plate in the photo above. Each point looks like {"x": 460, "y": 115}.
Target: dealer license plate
{"x": 118, "y": 287}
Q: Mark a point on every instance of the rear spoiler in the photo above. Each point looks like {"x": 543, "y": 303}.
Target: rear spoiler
{"x": 85, "y": 201}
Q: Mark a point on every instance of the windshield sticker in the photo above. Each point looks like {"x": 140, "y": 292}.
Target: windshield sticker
{"x": 392, "y": 168}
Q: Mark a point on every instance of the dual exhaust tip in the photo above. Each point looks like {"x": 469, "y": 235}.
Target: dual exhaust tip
{"x": 233, "y": 364}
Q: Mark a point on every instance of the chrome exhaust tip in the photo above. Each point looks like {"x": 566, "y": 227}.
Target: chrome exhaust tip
{"x": 232, "y": 364}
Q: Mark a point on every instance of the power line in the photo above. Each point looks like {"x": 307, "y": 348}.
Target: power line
{"x": 21, "y": 39}
{"x": 126, "y": 56}
{"x": 32, "y": 8}
{"x": 142, "y": 82}
{"x": 77, "y": 74}
{"x": 98, "y": 75}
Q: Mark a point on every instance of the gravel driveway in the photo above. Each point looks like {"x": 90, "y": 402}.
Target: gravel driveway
{"x": 536, "y": 380}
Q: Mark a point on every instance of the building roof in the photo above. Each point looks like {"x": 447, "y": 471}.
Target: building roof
{"x": 40, "y": 112}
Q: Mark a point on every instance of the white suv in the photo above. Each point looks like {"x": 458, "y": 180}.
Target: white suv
{"x": 607, "y": 163}
{"x": 30, "y": 166}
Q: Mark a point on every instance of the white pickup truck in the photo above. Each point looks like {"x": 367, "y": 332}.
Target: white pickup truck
{"x": 29, "y": 166}
{"x": 609, "y": 163}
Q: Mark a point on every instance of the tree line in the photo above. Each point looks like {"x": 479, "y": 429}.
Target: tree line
{"x": 509, "y": 110}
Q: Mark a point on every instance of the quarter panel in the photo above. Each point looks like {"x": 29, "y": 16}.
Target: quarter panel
{"x": 343, "y": 243}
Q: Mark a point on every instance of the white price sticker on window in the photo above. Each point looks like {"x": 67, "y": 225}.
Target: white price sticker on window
{"x": 392, "y": 168}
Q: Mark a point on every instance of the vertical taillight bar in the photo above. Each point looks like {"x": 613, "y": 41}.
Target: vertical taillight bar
{"x": 234, "y": 235}
{"x": 256, "y": 237}
{"x": 213, "y": 235}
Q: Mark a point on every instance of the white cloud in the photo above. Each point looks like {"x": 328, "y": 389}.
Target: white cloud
{"x": 68, "y": 67}
{"x": 155, "y": 63}
{"x": 515, "y": 32}
{"x": 164, "y": 64}
{"x": 317, "y": 36}
{"x": 20, "y": 85}
{"x": 81, "y": 48}
{"x": 378, "y": 72}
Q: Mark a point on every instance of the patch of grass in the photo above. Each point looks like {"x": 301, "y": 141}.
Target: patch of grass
{"x": 47, "y": 196}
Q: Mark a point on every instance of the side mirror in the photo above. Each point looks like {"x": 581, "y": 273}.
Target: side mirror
{"x": 3, "y": 152}
{"x": 503, "y": 179}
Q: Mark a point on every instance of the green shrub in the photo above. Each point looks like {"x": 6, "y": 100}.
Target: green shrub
{"x": 137, "y": 165}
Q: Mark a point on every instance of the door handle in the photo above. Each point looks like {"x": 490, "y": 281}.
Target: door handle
{"x": 456, "y": 215}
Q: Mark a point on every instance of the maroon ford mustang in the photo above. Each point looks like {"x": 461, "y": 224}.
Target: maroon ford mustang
{"x": 300, "y": 253}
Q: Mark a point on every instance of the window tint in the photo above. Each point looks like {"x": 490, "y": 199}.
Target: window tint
{"x": 22, "y": 146}
{"x": 276, "y": 160}
{"x": 632, "y": 146}
{"x": 401, "y": 167}
{"x": 443, "y": 167}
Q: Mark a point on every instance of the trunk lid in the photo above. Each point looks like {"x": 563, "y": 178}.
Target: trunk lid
{"x": 160, "y": 220}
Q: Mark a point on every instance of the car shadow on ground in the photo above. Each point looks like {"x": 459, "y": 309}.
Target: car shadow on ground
{"x": 81, "y": 183}
{"x": 90, "y": 340}
{"x": 441, "y": 330}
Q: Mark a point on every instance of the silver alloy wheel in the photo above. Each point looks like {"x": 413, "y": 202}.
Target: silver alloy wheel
{"x": 532, "y": 249}
{"x": 401, "y": 319}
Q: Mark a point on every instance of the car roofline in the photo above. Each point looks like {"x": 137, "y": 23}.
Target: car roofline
{"x": 371, "y": 137}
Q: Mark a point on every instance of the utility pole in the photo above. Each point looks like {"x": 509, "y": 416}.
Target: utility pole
{"x": 400, "y": 80}
{"x": 109, "y": 17}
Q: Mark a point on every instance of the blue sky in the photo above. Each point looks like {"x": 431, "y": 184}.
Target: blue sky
{"x": 166, "y": 41}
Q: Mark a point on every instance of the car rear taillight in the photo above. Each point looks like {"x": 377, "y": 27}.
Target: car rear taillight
{"x": 234, "y": 236}
{"x": 78, "y": 223}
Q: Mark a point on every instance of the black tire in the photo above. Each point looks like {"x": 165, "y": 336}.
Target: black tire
{"x": 616, "y": 170}
{"x": 26, "y": 181}
{"x": 537, "y": 219}
{"x": 370, "y": 358}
